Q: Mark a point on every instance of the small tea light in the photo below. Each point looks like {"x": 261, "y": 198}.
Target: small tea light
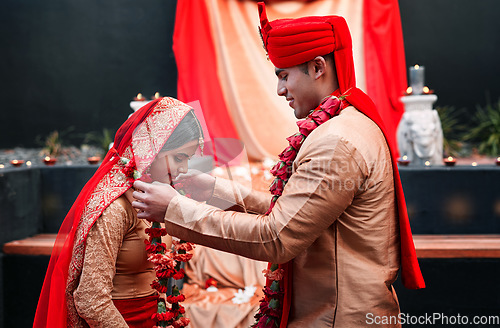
{"x": 17, "y": 162}
{"x": 28, "y": 163}
{"x": 474, "y": 164}
{"x": 49, "y": 160}
{"x": 427, "y": 163}
{"x": 139, "y": 97}
{"x": 2, "y": 166}
{"x": 409, "y": 90}
{"x": 93, "y": 159}
{"x": 156, "y": 96}
{"x": 450, "y": 161}
{"x": 403, "y": 161}
{"x": 427, "y": 91}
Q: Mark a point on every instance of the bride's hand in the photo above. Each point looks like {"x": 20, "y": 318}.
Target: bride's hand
{"x": 197, "y": 184}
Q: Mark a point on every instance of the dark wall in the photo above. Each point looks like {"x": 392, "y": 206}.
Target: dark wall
{"x": 458, "y": 43}
{"x": 20, "y": 203}
{"x": 67, "y": 63}
{"x": 452, "y": 200}
{"x": 449, "y": 294}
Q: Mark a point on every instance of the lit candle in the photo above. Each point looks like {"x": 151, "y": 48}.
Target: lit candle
{"x": 450, "y": 161}
{"x": 498, "y": 161}
{"x": 417, "y": 79}
{"x": 403, "y": 161}
{"x": 2, "y": 166}
{"x": 28, "y": 163}
{"x": 49, "y": 160}
{"x": 409, "y": 91}
{"x": 427, "y": 163}
{"x": 140, "y": 97}
{"x": 17, "y": 162}
{"x": 93, "y": 159}
{"x": 157, "y": 95}
{"x": 474, "y": 163}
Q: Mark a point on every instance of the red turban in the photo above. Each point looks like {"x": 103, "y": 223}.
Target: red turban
{"x": 291, "y": 42}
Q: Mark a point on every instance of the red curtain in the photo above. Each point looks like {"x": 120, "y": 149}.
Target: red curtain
{"x": 196, "y": 65}
{"x": 385, "y": 67}
{"x": 195, "y": 53}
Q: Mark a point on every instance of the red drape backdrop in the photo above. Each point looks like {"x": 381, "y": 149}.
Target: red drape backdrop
{"x": 197, "y": 79}
{"x": 385, "y": 65}
{"x": 205, "y": 40}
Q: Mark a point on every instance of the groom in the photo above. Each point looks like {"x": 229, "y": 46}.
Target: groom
{"x": 340, "y": 222}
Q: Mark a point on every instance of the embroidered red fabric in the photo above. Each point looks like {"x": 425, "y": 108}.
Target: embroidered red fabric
{"x": 140, "y": 139}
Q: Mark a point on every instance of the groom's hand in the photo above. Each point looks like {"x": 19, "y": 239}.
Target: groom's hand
{"x": 197, "y": 184}
{"x": 152, "y": 200}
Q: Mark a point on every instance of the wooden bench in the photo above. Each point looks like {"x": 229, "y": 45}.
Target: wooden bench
{"x": 41, "y": 244}
{"x": 457, "y": 246}
{"x": 427, "y": 246}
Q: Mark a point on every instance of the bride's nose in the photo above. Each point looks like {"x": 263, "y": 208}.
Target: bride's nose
{"x": 183, "y": 168}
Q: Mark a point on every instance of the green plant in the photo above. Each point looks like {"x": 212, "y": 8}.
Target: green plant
{"x": 453, "y": 129}
{"x": 485, "y": 132}
{"x": 52, "y": 145}
{"x": 101, "y": 140}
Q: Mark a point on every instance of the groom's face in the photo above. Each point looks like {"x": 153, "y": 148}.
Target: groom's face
{"x": 297, "y": 85}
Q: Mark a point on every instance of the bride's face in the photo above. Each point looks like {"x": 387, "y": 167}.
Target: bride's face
{"x": 169, "y": 164}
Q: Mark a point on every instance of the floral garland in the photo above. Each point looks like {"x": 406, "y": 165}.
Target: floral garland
{"x": 167, "y": 263}
{"x": 271, "y": 308}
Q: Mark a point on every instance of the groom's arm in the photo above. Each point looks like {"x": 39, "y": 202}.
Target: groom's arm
{"x": 231, "y": 195}
{"x": 312, "y": 200}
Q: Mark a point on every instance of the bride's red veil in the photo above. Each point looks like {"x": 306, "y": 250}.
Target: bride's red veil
{"x": 139, "y": 139}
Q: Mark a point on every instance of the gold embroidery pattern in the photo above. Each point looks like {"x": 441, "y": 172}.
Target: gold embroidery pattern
{"x": 100, "y": 268}
{"x": 147, "y": 141}
{"x": 150, "y": 136}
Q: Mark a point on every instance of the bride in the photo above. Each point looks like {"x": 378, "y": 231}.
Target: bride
{"x": 99, "y": 275}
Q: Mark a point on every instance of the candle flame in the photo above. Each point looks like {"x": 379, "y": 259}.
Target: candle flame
{"x": 427, "y": 163}
{"x": 474, "y": 163}
{"x": 409, "y": 90}
{"x": 405, "y": 157}
{"x": 450, "y": 158}
{"x": 47, "y": 158}
{"x": 157, "y": 95}
{"x": 28, "y": 163}
{"x": 426, "y": 90}
{"x": 139, "y": 96}
{"x": 416, "y": 66}
{"x": 2, "y": 166}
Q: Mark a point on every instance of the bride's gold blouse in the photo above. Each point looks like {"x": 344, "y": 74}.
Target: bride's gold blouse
{"x": 115, "y": 265}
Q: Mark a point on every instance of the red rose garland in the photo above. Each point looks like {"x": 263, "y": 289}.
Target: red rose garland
{"x": 167, "y": 263}
{"x": 271, "y": 308}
